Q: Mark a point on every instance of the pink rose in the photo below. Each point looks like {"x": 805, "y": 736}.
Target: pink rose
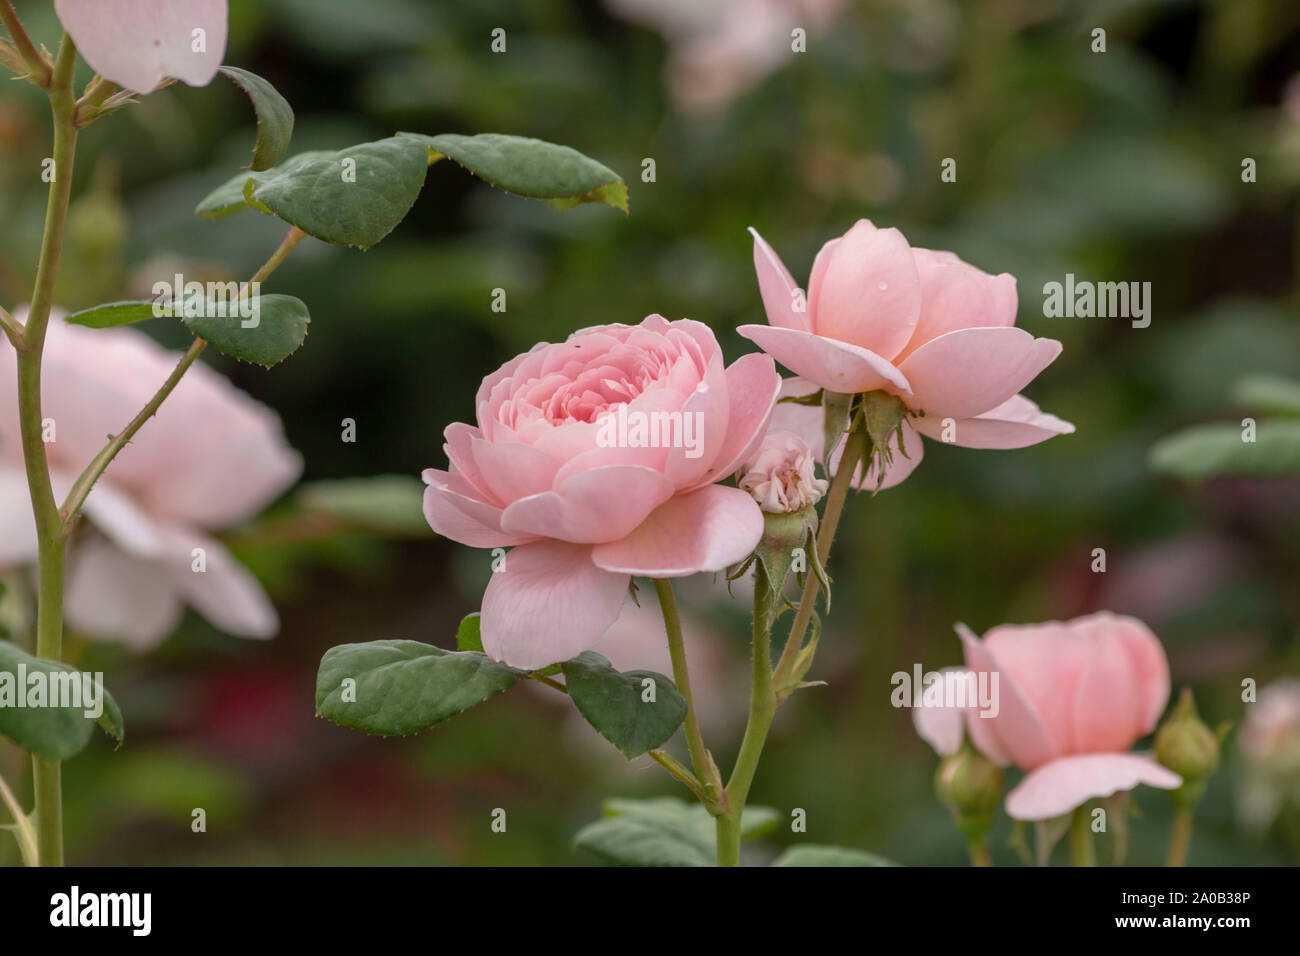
{"x": 210, "y": 458}
{"x": 139, "y": 43}
{"x": 575, "y": 460}
{"x": 1072, "y": 698}
{"x": 922, "y": 325}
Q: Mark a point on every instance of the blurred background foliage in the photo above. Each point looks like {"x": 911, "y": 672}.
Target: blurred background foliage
{"x": 1124, "y": 165}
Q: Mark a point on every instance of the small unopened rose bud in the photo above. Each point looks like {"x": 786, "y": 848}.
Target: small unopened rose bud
{"x": 970, "y": 785}
{"x": 1189, "y": 748}
{"x": 781, "y": 475}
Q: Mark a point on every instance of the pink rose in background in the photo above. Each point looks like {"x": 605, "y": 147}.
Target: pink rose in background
{"x": 139, "y": 43}
{"x": 210, "y": 458}
{"x": 555, "y": 467}
{"x": 1073, "y": 697}
{"x": 923, "y": 325}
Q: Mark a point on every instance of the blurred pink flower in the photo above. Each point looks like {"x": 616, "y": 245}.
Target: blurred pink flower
{"x": 1073, "y": 697}
{"x": 555, "y": 466}
{"x": 210, "y": 458}
{"x": 781, "y": 474}
{"x": 920, "y": 324}
{"x": 721, "y": 48}
{"x": 139, "y": 43}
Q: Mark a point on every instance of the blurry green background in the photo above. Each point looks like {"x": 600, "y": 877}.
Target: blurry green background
{"x": 1117, "y": 166}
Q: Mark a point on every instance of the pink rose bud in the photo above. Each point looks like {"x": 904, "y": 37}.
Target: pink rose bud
{"x": 781, "y": 476}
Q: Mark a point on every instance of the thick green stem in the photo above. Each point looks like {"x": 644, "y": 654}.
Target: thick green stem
{"x": 705, "y": 769}
{"x": 855, "y": 445}
{"x": 1180, "y": 837}
{"x": 762, "y": 708}
{"x": 1081, "y": 850}
{"x": 979, "y": 853}
{"x": 49, "y": 610}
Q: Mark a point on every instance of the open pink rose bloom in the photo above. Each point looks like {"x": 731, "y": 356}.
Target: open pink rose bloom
{"x": 210, "y": 458}
{"x": 1072, "y": 698}
{"x": 557, "y": 467}
{"x": 139, "y": 43}
{"x": 916, "y": 323}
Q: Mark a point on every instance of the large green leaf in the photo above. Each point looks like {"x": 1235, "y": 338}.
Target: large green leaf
{"x": 1268, "y": 393}
{"x": 815, "y": 855}
{"x": 113, "y": 313}
{"x": 382, "y": 504}
{"x": 616, "y": 703}
{"x": 352, "y": 197}
{"x": 1206, "y": 450}
{"x": 55, "y": 733}
{"x": 663, "y": 831}
{"x": 404, "y": 686}
{"x": 561, "y": 176}
{"x": 281, "y": 327}
{"x": 274, "y": 117}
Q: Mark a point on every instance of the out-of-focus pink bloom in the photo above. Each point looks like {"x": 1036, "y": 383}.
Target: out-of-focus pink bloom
{"x": 916, "y": 323}
{"x": 139, "y": 43}
{"x": 597, "y": 458}
{"x": 1073, "y": 697}
{"x": 1269, "y": 748}
{"x": 781, "y": 476}
{"x": 210, "y": 458}
{"x": 721, "y": 48}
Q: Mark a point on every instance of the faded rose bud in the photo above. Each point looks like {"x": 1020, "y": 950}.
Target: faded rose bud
{"x": 780, "y": 476}
{"x": 1189, "y": 748}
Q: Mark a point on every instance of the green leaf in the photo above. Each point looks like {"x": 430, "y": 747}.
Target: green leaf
{"x": 56, "y": 733}
{"x": 401, "y": 687}
{"x": 281, "y": 327}
{"x": 113, "y": 313}
{"x": 663, "y": 831}
{"x": 468, "y": 637}
{"x": 353, "y": 197}
{"x": 1268, "y": 393}
{"x": 274, "y": 117}
{"x": 229, "y": 197}
{"x": 814, "y": 855}
{"x": 561, "y": 176}
{"x": 1206, "y": 450}
{"x": 383, "y": 504}
{"x": 614, "y": 703}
